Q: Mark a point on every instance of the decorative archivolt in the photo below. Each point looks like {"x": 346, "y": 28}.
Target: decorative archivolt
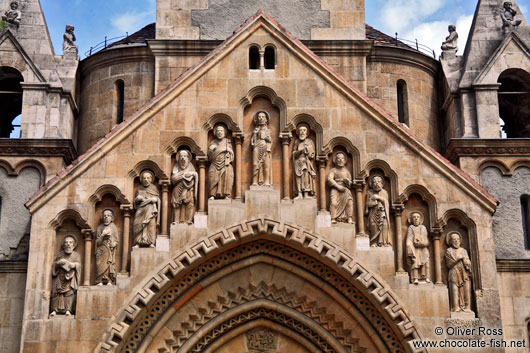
{"x": 350, "y": 148}
{"x": 313, "y": 125}
{"x": 108, "y": 189}
{"x": 500, "y": 165}
{"x": 426, "y": 196}
{"x": 27, "y": 163}
{"x": 184, "y": 141}
{"x": 389, "y": 172}
{"x": 263, "y": 91}
{"x": 221, "y": 119}
{"x": 350, "y": 277}
{"x": 140, "y": 166}
{"x": 69, "y": 214}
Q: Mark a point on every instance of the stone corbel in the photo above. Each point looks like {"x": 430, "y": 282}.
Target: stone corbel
{"x": 127, "y": 213}
{"x": 238, "y": 139}
{"x": 88, "y": 237}
{"x": 398, "y": 211}
{"x": 285, "y": 137}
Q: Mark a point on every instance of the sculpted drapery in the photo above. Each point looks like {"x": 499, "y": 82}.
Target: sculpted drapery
{"x": 147, "y": 216}
{"x": 339, "y": 181}
{"x": 377, "y": 208}
{"x": 66, "y": 275}
{"x": 221, "y": 172}
{"x": 303, "y": 159}
{"x": 184, "y": 179}
{"x": 107, "y": 240}
{"x": 417, "y": 241}
{"x": 459, "y": 276}
{"x": 261, "y": 142}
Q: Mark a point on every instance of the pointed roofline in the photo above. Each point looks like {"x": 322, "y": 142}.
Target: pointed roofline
{"x": 7, "y": 34}
{"x": 119, "y": 132}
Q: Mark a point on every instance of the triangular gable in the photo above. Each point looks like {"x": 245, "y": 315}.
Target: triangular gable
{"x": 8, "y": 36}
{"x": 261, "y": 20}
{"x": 495, "y": 65}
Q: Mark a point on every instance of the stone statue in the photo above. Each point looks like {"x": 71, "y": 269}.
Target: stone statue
{"x": 221, "y": 172}
{"x": 68, "y": 40}
{"x": 13, "y": 15}
{"x": 378, "y": 213}
{"x": 417, "y": 247}
{"x": 451, "y": 41}
{"x": 107, "y": 240}
{"x": 459, "y": 276}
{"x": 184, "y": 179}
{"x": 66, "y": 274}
{"x": 303, "y": 159}
{"x": 509, "y": 23}
{"x": 147, "y": 216}
{"x": 339, "y": 180}
{"x": 261, "y": 142}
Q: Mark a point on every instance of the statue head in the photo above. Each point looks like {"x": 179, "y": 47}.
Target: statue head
{"x": 69, "y": 244}
{"x": 507, "y": 5}
{"x": 219, "y": 131}
{"x": 377, "y": 182}
{"x": 451, "y": 28}
{"x": 340, "y": 159}
{"x": 302, "y": 130}
{"x": 69, "y": 28}
{"x": 14, "y": 5}
{"x": 261, "y": 118}
{"x": 454, "y": 239}
{"x": 183, "y": 158}
{"x": 107, "y": 216}
{"x": 147, "y": 177}
{"x": 416, "y": 218}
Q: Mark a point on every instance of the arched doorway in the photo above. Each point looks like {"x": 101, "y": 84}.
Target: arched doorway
{"x": 267, "y": 284}
{"x": 11, "y": 101}
{"x": 514, "y": 103}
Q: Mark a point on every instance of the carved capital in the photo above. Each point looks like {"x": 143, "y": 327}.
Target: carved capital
{"x": 202, "y": 161}
{"x": 285, "y": 137}
{"x": 238, "y": 138}
{"x": 322, "y": 160}
{"x": 165, "y": 184}
{"x": 437, "y": 233}
{"x": 359, "y": 185}
{"x": 398, "y": 209}
{"x": 126, "y": 209}
{"x": 88, "y": 234}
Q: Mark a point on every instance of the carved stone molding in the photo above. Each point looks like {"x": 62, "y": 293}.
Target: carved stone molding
{"x": 39, "y": 147}
{"x": 519, "y": 265}
{"x": 13, "y": 267}
{"x": 491, "y": 147}
{"x": 183, "y": 271}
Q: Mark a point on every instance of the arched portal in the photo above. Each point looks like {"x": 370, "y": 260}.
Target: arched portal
{"x": 267, "y": 278}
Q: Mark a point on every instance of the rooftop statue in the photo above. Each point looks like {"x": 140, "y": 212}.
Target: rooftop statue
{"x": 451, "y": 41}
{"x": 13, "y": 15}
{"x": 508, "y": 13}
{"x": 68, "y": 40}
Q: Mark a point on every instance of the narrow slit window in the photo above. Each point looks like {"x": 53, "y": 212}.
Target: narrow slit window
{"x": 120, "y": 100}
{"x": 253, "y": 58}
{"x": 270, "y": 58}
{"x": 402, "y": 102}
{"x": 525, "y": 212}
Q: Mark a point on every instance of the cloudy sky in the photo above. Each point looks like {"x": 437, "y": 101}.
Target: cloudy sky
{"x": 425, "y": 20}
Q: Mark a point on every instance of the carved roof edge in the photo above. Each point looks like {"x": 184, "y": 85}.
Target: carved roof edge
{"x": 39, "y": 147}
{"x": 486, "y": 147}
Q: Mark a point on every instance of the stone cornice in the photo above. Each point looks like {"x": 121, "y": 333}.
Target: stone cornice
{"x": 114, "y": 56}
{"x": 486, "y": 147}
{"x": 519, "y": 265}
{"x": 13, "y": 267}
{"x": 50, "y": 88}
{"x": 39, "y": 147}
{"x": 340, "y": 47}
{"x": 404, "y": 56}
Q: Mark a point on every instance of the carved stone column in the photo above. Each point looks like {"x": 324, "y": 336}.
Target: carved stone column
{"x": 88, "y": 236}
{"x": 238, "y": 139}
{"x": 398, "y": 211}
{"x": 202, "y": 160}
{"x": 322, "y": 163}
{"x": 286, "y": 139}
{"x": 127, "y": 210}
{"x": 262, "y": 59}
{"x": 359, "y": 187}
{"x": 165, "y": 206}
{"x": 437, "y": 260}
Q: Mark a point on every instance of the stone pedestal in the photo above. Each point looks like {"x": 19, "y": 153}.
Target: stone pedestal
{"x": 262, "y": 201}
{"x": 299, "y": 212}
{"x": 144, "y": 260}
{"x": 200, "y": 220}
{"x": 461, "y": 315}
{"x": 223, "y": 213}
{"x": 341, "y": 233}
{"x": 362, "y": 242}
{"x": 323, "y": 220}
{"x": 424, "y": 300}
{"x": 378, "y": 260}
{"x": 181, "y": 234}
{"x": 162, "y": 243}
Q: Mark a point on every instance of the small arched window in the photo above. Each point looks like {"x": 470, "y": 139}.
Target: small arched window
{"x": 253, "y": 58}
{"x": 514, "y": 103}
{"x": 120, "y": 100}
{"x": 402, "y": 102}
{"x": 270, "y": 58}
{"x": 10, "y": 101}
{"x": 525, "y": 213}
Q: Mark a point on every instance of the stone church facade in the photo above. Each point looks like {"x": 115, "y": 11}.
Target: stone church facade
{"x": 264, "y": 176}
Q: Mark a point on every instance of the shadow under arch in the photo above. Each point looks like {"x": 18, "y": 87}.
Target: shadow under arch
{"x": 179, "y": 280}
{"x": 221, "y": 118}
{"x": 388, "y": 171}
{"x": 269, "y": 93}
{"x": 350, "y": 148}
{"x": 313, "y": 125}
{"x": 426, "y": 196}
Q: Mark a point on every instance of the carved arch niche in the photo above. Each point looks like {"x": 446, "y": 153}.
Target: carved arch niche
{"x": 417, "y": 198}
{"x": 109, "y": 197}
{"x": 258, "y": 99}
{"x": 457, "y": 221}
{"x": 262, "y": 275}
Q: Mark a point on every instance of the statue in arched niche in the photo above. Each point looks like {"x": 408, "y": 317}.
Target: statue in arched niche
{"x": 107, "y": 240}
{"x": 377, "y": 208}
{"x": 303, "y": 162}
{"x": 66, "y": 274}
{"x": 221, "y": 172}
{"x": 184, "y": 179}
{"x": 147, "y": 216}
{"x": 261, "y": 142}
{"x": 417, "y": 241}
{"x": 340, "y": 182}
{"x": 459, "y": 276}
